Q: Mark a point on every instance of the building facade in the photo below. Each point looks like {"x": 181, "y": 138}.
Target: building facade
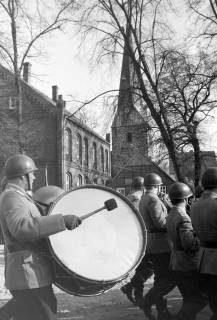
{"x": 67, "y": 152}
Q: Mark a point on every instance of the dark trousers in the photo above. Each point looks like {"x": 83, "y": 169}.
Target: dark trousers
{"x": 194, "y": 299}
{"x": 8, "y": 310}
{"x": 209, "y": 286}
{"x": 143, "y": 272}
{"x": 35, "y": 304}
{"x": 163, "y": 278}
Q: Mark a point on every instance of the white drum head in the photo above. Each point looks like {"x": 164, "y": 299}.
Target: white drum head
{"x": 107, "y": 245}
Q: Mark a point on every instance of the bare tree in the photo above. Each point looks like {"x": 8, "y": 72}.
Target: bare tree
{"x": 24, "y": 24}
{"x": 206, "y": 15}
{"x": 137, "y": 24}
{"x": 188, "y": 92}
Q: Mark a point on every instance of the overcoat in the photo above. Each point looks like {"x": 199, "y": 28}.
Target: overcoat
{"x": 27, "y": 264}
{"x": 154, "y": 214}
{"x": 135, "y": 197}
{"x": 186, "y": 251}
{"x": 204, "y": 221}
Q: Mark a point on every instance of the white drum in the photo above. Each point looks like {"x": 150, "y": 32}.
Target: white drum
{"x": 104, "y": 249}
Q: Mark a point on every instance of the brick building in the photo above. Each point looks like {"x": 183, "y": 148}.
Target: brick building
{"x": 67, "y": 152}
{"x": 131, "y": 152}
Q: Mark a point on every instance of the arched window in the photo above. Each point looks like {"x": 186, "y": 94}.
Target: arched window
{"x": 86, "y": 180}
{"x": 68, "y": 144}
{"x": 94, "y": 156}
{"x": 68, "y": 180}
{"x": 102, "y": 158}
{"x": 95, "y": 180}
{"x": 79, "y": 180}
{"x": 79, "y": 148}
{"x": 106, "y": 161}
{"x": 86, "y": 155}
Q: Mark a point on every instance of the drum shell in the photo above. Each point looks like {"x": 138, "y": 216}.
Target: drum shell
{"x": 74, "y": 283}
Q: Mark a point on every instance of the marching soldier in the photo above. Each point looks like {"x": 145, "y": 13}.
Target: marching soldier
{"x": 186, "y": 252}
{"x": 154, "y": 214}
{"x": 28, "y": 271}
{"x": 204, "y": 220}
{"x": 43, "y": 197}
{"x": 134, "y": 289}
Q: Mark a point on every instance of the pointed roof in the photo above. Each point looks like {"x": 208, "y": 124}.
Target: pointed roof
{"x": 126, "y": 113}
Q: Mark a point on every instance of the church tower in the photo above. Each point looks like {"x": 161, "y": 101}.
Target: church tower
{"x": 129, "y": 128}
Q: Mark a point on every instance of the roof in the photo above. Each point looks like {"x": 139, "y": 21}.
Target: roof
{"x": 43, "y": 99}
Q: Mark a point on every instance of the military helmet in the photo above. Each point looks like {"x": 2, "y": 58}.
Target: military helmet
{"x": 19, "y": 165}
{"x": 179, "y": 191}
{"x": 209, "y": 178}
{"x": 47, "y": 194}
{"x": 152, "y": 179}
{"x": 138, "y": 182}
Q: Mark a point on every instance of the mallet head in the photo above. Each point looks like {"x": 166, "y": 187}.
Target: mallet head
{"x": 110, "y": 204}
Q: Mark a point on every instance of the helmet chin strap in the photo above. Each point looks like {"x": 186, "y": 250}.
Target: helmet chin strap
{"x": 28, "y": 181}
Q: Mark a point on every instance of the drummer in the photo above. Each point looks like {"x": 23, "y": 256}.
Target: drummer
{"x": 28, "y": 271}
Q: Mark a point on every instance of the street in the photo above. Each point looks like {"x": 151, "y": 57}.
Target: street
{"x": 112, "y": 305}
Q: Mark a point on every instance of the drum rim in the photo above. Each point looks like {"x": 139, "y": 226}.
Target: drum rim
{"x": 139, "y": 216}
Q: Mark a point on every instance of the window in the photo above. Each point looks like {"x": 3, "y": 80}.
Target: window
{"x": 79, "y": 180}
{"x": 13, "y": 103}
{"x": 94, "y": 156}
{"x": 106, "y": 161}
{"x": 86, "y": 180}
{"x": 68, "y": 180}
{"x": 86, "y": 157}
{"x": 163, "y": 189}
{"x": 102, "y": 158}
{"x": 95, "y": 181}
{"x": 68, "y": 144}
{"x": 121, "y": 190}
{"x": 129, "y": 137}
{"x": 79, "y": 148}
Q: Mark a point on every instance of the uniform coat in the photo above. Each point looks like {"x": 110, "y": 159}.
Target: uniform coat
{"x": 186, "y": 252}
{"x": 27, "y": 264}
{"x": 154, "y": 214}
{"x": 135, "y": 197}
{"x": 185, "y": 260}
{"x": 204, "y": 220}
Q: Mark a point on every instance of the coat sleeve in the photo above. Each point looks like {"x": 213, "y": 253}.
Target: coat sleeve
{"x": 23, "y": 224}
{"x": 157, "y": 213}
{"x": 187, "y": 236}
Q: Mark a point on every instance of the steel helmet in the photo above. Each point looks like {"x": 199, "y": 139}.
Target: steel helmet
{"x": 138, "y": 182}
{"x": 179, "y": 191}
{"x": 152, "y": 179}
{"x": 19, "y": 165}
{"x": 47, "y": 194}
{"x": 209, "y": 178}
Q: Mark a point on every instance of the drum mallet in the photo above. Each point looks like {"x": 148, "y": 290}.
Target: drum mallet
{"x": 110, "y": 205}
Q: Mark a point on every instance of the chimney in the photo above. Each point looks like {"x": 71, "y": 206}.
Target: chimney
{"x": 55, "y": 90}
{"x": 26, "y": 71}
{"x": 108, "y": 138}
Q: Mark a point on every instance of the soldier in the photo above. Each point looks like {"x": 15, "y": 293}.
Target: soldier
{"x": 154, "y": 214}
{"x": 43, "y": 197}
{"x": 186, "y": 252}
{"x": 134, "y": 289}
{"x": 28, "y": 270}
{"x": 204, "y": 220}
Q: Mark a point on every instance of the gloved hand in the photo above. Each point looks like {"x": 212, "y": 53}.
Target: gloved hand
{"x": 71, "y": 221}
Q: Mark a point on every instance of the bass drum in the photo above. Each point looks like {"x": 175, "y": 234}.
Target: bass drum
{"x": 104, "y": 250}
